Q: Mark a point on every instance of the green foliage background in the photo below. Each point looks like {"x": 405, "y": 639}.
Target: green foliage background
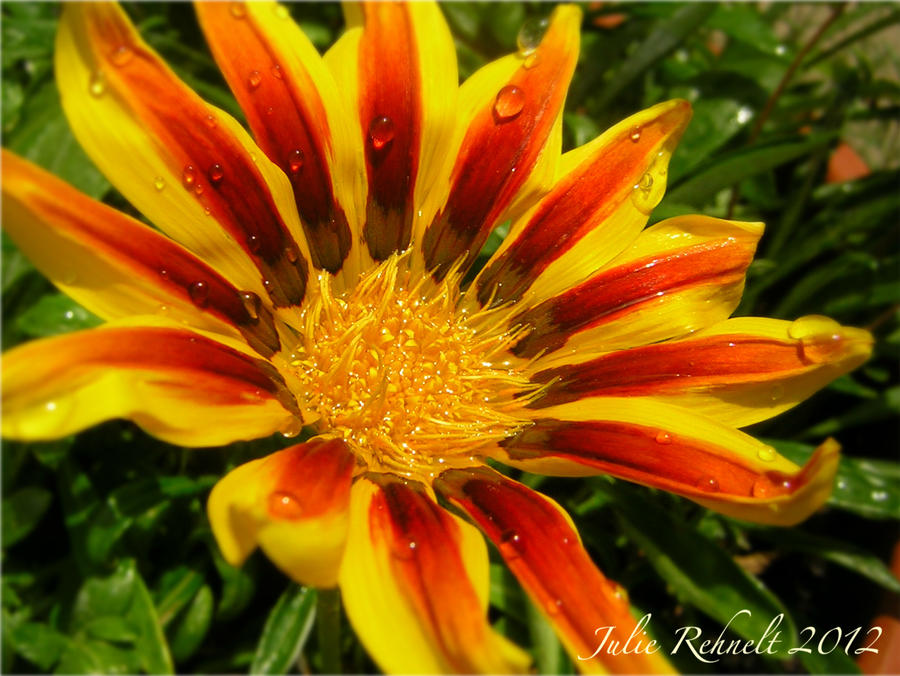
{"x": 108, "y": 560}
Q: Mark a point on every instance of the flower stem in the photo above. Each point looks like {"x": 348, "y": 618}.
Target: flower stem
{"x": 328, "y": 622}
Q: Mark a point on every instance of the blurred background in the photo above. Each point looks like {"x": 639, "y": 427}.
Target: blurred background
{"x": 108, "y": 563}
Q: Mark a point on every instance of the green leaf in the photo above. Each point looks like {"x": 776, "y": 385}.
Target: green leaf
{"x": 111, "y": 628}
{"x": 44, "y": 138}
{"x": 189, "y": 629}
{"x": 735, "y": 167}
{"x": 22, "y": 510}
{"x": 39, "y": 644}
{"x": 54, "y": 314}
{"x": 699, "y": 571}
{"x": 870, "y": 488}
{"x": 15, "y": 265}
{"x": 286, "y": 630}
{"x": 664, "y": 38}
{"x": 177, "y": 588}
{"x": 238, "y": 586}
{"x": 549, "y": 656}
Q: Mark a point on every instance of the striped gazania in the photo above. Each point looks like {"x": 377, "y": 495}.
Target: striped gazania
{"x": 319, "y": 274}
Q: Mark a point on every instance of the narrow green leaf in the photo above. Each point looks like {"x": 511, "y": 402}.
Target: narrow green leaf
{"x": 177, "y": 588}
{"x": 22, "y": 510}
{"x": 286, "y": 630}
{"x": 151, "y": 644}
{"x": 39, "y": 644}
{"x": 699, "y": 571}
{"x": 190, "y": 627}
{"x": 547, "y": 650}
{"x": 54, "y": 314}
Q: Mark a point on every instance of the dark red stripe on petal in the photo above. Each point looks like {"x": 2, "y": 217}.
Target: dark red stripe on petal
{"x": 628, "y": 287}
{"x": 288, "y": 121}
{"x": 214, "y": 166}
{"x": 139, "y": 250}
{"x": 424, "y": 543}
{"x": 501, "y": 147}
{"x": 310, "y": 479}
{"x": 545, "y": 554}
{"x": 651, "y": 456}
{"x": 581, "y": 201}
{"x": 675, "y": 367}
{"x": 390, "y": 112}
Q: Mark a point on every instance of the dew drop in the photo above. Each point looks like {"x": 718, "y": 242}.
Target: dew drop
{"x": 404, "y": 548}
{"x": 164, "y": 274}
{"x": 211, "y": 121}
{"x": 879, "y": 496}
{"x": 121, "y": 55}
{"x": 159, "y": 183}
{"x": 198, "y": 188}
{"x": 293, "y": 427}
{"x": 762, "y": 488}
{"x": 635, "y": 135}
{"x": 254, "y": 79}
{"x": 97, "y": 86}
{"x": 553, "y": 606}
{"x": 252, "y": 304}
{"x": 707, "y": 484}
{"x": 531, "y": 60}
{"x": 199, "y": 293}
{"x": 509, "y": 103}
{"x": 663, "y": 438}
{"x": 189, "y": 176}
{"x": 237, "y": 9}
{"x": 290, "y": 252}
{"x": 766, "y": 454}
{"x": 510, "y": 541}
{"x": 216, "y": 173}
{"x": 276, "y": 72}
{"x": 381, "y": 131}
{"x": 295, "y": 160}
{"x": 620, "y": 593}
{"x": 254, "y": 244}
{"x": 777, "y": 392}
{"x": 531, "y": 34}
{"x": 284, "y": 505}
{"x": 645, "y": 183}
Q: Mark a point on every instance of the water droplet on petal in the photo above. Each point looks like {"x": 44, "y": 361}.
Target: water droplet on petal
{"x": 381, "y": 131}
{"x": 509, "y": 103}
{"x": 216, "y": 173}
{"x": 121, "y": 55}
{"x": 164, "y": 274}
{"x": 284, "y": 505}
{"x": 766, "y": 454}
{"x": 531, "y": 34}
{"x": 189, "y": 176}
{"x": 879, "y": 496}
{"x": 276, "y": 72}
{"x": 237, "y": 9}
{"x": 293, "y": 427}
{"x": 404, "y": 548}
{"x": 198, "y": 188}
{"x": 708, "y": 484}
{"x": 645, "y": 183}
{"x": 254, "y": 79}
{"x": 97, "y": 86}
{"x": 553, "y": 606}
{"x": 252, "y": 304}
{"x": 290, "y": 252}
{"x": 199, "y": 293}
{"x": 651, "y": 187}
{"x": 254, "y": 244}
{"x": 777, "y": 392}
{"x": 663, "y": 438}
{"x": 211, "y": 121}
{"x": 635, "y": 135}
{"x": 295, "y": 161}
{"x": 762, "y": 488}
{"x": 159, "y": 183}
{"x": 509, "y": 544}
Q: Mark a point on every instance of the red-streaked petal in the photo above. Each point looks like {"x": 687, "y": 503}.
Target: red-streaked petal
{"x": 190, "y": 168}
{"x": 680, "y": 275}
{"x": 511, "y": 110}
{"x": 543, "y": 551}
{"x": 179, "y": 386}
{"x": 290, "y": 99}
{"x": 738, "y": 372}
{"x": 293, "y": 504}
{"x": 415, "y": 576}
{"x": 595, "y": 209}
{"x": 118, "y": 267}
{"x": 669, "y": 447}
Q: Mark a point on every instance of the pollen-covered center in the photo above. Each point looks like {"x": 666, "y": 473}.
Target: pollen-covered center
{"x": 413, "y": 382}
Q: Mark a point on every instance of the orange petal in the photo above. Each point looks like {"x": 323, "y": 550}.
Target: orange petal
{"x": 542, "y": 549}
{"x": 118, "y": 267}
{"x": 514, "y": 108}
{"x": 190, "y": 168}
{"x": 411, "y": 562}
{"x": 293, "y": 504}
{"x": 179, "y": 386}
{"x": 290, "y": 100}
{"x": 595, "y": 209}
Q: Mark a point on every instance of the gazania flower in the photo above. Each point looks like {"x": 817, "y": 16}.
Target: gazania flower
{"x": 320, "y": 273}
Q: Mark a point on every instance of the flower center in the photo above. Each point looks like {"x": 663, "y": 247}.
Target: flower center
{"x": 412, "y": 381}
